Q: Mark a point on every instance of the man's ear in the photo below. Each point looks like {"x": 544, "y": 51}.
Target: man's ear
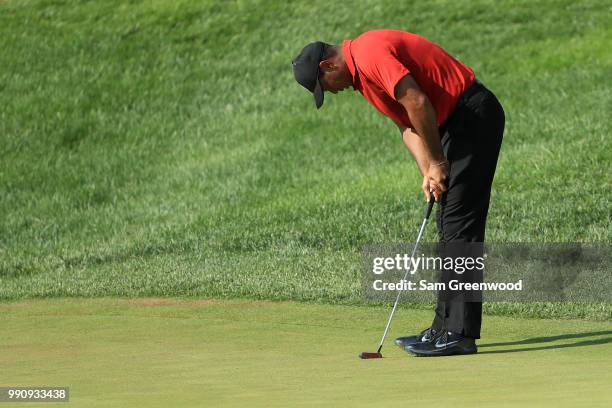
{"x": 327, "y": 66}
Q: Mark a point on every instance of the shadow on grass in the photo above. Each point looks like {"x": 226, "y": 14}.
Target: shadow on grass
{"x": 538, "y": 340}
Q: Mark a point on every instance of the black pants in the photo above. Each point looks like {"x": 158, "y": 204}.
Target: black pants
{"x": 471, "y": 140}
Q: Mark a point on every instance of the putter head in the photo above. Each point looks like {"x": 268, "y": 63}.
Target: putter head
{"x": 365, "y": 355}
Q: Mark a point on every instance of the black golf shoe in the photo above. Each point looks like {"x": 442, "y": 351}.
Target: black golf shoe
{"x": 447, "y": 344}
{"x": 425, "y": 336}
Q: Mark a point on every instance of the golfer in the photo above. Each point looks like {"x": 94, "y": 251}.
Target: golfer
{"x": 453, "y": 127}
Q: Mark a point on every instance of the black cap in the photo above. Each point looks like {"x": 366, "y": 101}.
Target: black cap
{"x": 306, "y": 69}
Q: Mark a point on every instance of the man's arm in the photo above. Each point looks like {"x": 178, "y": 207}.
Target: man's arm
{"x": 416, "y": 146}
{"x": 424, "y": 142}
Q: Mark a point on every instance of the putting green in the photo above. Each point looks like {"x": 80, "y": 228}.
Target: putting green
{"x": 163, "y": 353}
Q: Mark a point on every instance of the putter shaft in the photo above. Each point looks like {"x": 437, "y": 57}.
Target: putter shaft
{"x": 399, "y": 292}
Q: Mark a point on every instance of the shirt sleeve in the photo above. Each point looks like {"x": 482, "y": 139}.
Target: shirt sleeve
{"x": 385, "y": 70}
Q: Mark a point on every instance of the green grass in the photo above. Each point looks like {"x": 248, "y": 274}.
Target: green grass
{"x": 162, "y": 148}
{"x": 160, "y": 353}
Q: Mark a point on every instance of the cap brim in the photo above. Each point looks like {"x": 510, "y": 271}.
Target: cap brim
{"x": 318, "y": 94}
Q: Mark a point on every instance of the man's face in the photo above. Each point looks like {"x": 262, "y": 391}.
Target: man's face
{"x": 334, "y": 75}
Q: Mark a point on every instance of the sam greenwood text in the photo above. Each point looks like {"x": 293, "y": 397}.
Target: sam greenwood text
{"x": 424, "y": 285}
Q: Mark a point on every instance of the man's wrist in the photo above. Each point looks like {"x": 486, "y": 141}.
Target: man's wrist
{"x": 437, "y": 163}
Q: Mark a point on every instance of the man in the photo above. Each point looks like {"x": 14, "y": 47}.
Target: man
{"x": 453, "y": 127}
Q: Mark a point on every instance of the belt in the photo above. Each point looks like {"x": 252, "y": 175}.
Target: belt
{"x": 473, "y": 89}
{"x": 476, "y": 87}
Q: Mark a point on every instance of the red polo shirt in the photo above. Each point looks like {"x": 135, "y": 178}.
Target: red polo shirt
{"x": 378, "y": 59}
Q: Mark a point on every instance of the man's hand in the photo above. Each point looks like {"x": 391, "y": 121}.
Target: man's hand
{"x": 434, "y": 182}
{"x": 435, "y": 174}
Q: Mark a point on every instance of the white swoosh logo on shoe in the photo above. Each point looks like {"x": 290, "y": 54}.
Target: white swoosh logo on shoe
{"x": 447, "y": 344}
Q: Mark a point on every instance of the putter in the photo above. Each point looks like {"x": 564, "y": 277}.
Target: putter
{"x": 365, "y": 354}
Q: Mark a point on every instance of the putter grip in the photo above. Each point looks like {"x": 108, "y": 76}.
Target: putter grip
{"x": 430, "y": 205}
